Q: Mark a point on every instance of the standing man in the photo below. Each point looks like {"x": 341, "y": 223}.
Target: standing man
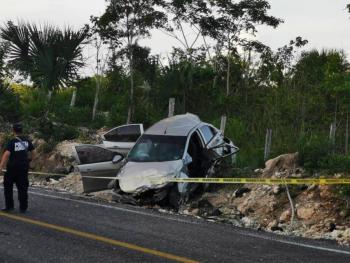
{"x": 16, "y": 158}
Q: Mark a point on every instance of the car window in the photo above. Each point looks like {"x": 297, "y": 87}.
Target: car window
{"x": 158, "y": 148}
{"x": 207, "y": 133}
{"x": 129, "y": 133}
{"x": 93, "y": 154}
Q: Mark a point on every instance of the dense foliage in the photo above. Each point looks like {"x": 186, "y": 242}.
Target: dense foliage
{"x": 298, "y": 95}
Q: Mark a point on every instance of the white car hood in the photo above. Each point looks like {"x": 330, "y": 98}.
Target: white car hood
{"x": 137, "y": 177}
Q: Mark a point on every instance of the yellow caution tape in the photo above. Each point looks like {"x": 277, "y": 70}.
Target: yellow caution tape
{"x": 267, "y": 181}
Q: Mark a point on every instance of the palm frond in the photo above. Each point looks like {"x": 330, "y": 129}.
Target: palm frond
{"x": 50, "y": 56}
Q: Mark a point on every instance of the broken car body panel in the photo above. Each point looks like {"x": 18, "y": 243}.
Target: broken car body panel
{"x": 94, "y": 162}
{"x": 136, "y": 177}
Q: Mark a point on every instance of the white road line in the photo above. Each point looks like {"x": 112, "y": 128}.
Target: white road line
{"x": 303, "y": 245}
{"x": 297, "y": 244}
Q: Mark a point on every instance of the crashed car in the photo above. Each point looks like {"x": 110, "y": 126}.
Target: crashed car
{"x": 177, "y": 147}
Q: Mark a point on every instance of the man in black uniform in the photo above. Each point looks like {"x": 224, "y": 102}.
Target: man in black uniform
{"x": 16, "y": 158}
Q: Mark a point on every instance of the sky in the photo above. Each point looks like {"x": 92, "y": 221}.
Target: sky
{"x": 324, "y": 23}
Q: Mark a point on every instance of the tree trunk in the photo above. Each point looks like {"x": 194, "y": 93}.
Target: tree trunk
{"x": 302, "y": 114}
{"x": 131, "y": 98}
{"x": 97, "y": 93}
{"x": 223, "y": 123}
{"x": 332, "y": 131}
{"x": 49, "y": 96}
{"x": 184, "y": 100}
{"x": 347, "y": 135}
{"x": 48, "y": 103}
{"x": 228, "y": 75}
{"x": 74, "y": 98}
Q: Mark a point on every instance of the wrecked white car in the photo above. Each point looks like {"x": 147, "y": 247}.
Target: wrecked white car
{"x": 177, "y": 147}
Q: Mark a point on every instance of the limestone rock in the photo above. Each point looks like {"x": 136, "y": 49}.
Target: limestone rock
{"x": 305, "y": 212}
{"x": 285, "y": 216}
{"x": 217, "y": 200}
{"x": 282, "y": 163}
{"x": 272, "y": 224}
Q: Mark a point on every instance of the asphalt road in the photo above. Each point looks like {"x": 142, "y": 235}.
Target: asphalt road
{"x": 64, "y": 228}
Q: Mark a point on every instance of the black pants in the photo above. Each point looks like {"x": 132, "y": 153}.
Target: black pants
{"x": 20, "y": 178}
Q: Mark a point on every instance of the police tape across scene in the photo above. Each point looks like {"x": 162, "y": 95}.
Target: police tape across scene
{"x": 266, "y": 181}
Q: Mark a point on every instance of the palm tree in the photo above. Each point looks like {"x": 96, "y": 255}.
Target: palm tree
{"x": 2, "y": 61}
{"x": 51, "y": 57}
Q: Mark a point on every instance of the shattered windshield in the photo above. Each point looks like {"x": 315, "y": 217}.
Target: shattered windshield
{"x": 158, "y": 148}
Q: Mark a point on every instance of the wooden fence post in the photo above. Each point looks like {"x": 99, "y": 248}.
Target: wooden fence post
{"x": 268, "y": 141}
{"x": 223, "y": 123}
{"x": 332, "y": 131}
{"x": 171, "y": 107}
{"x": 347, "y": 135}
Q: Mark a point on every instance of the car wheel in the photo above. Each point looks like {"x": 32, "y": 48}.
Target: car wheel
{"x": 174, "y": 197}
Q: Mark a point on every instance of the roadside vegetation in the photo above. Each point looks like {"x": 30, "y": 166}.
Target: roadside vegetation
{"x": 303, "y": 96}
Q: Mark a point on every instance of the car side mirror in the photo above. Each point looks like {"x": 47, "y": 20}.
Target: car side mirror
{"x": 117, "y": 159}
{"x": 187, "y": 160}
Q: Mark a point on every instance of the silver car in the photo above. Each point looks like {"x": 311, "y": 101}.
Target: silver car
{"x": 177, "y": 147}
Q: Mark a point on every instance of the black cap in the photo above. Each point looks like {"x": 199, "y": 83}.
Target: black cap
{"x": 17, "y": 127}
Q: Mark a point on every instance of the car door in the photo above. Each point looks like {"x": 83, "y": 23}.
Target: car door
{"x": 216, "y": 144}
{"x": 94, "y": 162}
{"x": 122, "y": 138}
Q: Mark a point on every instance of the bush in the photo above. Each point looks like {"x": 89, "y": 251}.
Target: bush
{"x": 335, "y": 163}
{"x": 10, "y": 109}
{"x": 56, "y": 132}
{"x": 314, "y": 151}
{"x": 72, "y": 116}
{"x": 251, "y": 154}
{"x": 48, "y": 147}
{"x": 33, "y": 102}
{"x": 118, "y": 114}
{"x": 343, "y": 191}
{"x": 65, "y": 132}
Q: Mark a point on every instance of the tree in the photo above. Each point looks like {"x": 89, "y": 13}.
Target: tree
{"x": 230, "y": 19}
{"x": 124, "y": 23}
{"x": 49, "y": 56}
{"x": 187, "y": 14}
{"x": 2, "y": 60}
{"x": 101, "y": 63}
{"x": 321, "y": 79}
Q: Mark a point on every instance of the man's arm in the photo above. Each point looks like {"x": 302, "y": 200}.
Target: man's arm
{"x": 4, "y": 160}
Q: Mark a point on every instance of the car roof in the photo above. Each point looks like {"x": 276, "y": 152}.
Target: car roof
{"x": 179, "y": 125}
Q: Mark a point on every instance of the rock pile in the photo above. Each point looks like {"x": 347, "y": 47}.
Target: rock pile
{"x": 318, "y": 212}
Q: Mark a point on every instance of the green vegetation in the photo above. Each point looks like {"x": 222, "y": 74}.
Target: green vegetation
{"x": 296, "y": 94}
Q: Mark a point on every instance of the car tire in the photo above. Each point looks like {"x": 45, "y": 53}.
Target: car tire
{"x": 174, "y": 197}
